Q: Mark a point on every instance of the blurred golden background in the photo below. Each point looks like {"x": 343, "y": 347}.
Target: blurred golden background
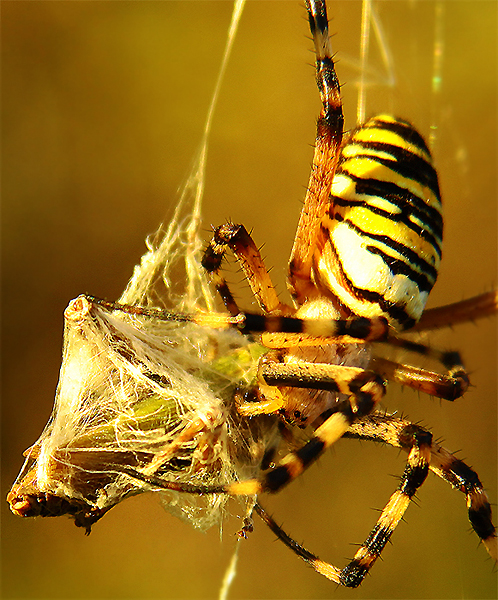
{"x": 104, "y": 105}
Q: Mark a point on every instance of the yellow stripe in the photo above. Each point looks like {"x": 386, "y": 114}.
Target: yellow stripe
{"x": 245, "y": 488}
{"x": 394, "y": 510}
{"x": 333, "y": 428}
{"x": 293, "y": 465}
{"x": 391, "y": 516}
{"x": 365, "y": 271}
{"x": 351, "y": 150}
{"x": 344, "y": 187}
{"x": 328, "y": 570}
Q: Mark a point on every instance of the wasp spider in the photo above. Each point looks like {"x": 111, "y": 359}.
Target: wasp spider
{"x": 365, "y": 258}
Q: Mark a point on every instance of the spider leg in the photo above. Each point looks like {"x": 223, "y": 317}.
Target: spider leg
{"x": 477, "y": 307}
{"x": 294, "y": 328}
{"x": 237, "y": 239}
{"x": 399, "y": 433}
{"x": 423, "y": 454}
{"x": 365, "y": 390}
{"x": 328, "y": 142}
{"x": 413, "y": 477}
{"x": 352, "y": 575}
{"x": 465, "y": 479}
{"x": 320, "y": 566}
{"x": 449, "y": 386}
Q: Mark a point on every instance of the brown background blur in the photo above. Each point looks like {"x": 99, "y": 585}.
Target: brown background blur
{"x": 104, "y": 105}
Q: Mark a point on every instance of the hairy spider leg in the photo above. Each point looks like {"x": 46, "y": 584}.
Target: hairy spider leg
{"x": 353, "y": 574}
{"x": 423, "y": 454}
{"x": 397, "y": 432}
{"x": 238, "y": 240}
{"x": 329, "y": 130}
{"x": 477, "y": 307}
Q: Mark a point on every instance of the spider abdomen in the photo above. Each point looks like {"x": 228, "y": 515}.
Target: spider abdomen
{"x": 379, "y": 246}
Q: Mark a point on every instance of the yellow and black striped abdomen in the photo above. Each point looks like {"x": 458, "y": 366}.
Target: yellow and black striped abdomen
{"x": 379, "y": 246}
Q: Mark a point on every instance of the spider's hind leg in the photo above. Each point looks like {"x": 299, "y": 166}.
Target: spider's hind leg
{"x": 420, "y": 442}
{"x": 415, "y": 473}
{"x": 399, "y": 433}
{"x": 483, "y": 305}
{"x": 448, "y": 386}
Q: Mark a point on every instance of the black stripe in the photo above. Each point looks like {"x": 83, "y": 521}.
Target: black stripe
{"x": 284, "y": 324}
{"x": 212, "y": 258}
{"x": 401, "y": 217}
{"x": 277, "y": 478}
{"x": 353, "y": 574}
{"x": 399, "y": 267}
{"x": 410, "y": 346}
{"x": 451, "y": 359}
{"x": 365, "y": 403}
{"x": 413, "y": 435}
{"x": 411, "y": 256}
{"x": 404, "y": 156}
{"x": 466, "y": 478}
{"x": 404, "y": 163}
{"x": 331, "y": 123}
{"x": 378, "y": 538}
{"x": 359, "y": 328}
{"x": 395, "y": 311}
{"x": 310, "y": 451}
{"x": 413, "y": 478}
{"x": 282, "y": 379}
{"x": 453, "y": 387}
{"x": 253, "y": 322}
{"x": 402, "y": 128}
{"x": 325, "y": 68}
{"x": 259, "y": 323}
{"x": 405, "y": 200}
{"x": 481, "y": 521}
{"x": 317, "y": 16}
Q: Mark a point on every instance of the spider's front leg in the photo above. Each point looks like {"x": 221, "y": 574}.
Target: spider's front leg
{"x": 237, "y": 239}
{"x": 329, "y": 132}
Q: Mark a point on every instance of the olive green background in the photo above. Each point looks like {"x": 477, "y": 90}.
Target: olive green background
{"x": 103, "y": 109}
